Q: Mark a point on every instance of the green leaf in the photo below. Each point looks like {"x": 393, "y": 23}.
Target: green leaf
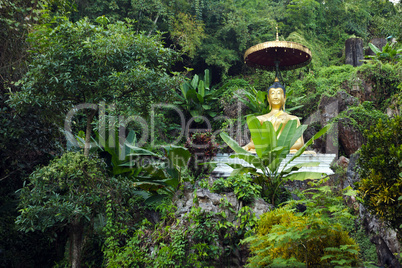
{"x": 194, "y": 82}
{"x": 192, "y": 96}
{"x": 251, "y": 159}
{"x": 212, "y": 114}
{"x": 233, "y": 144}
{"x": 348, "y": 191}
{"x": 263, "y": 136}
{"x": 269, "y": 135}
{"x": 201, "y": 88}
{"x": 374, "y": 49}
{"x": 299, "y": 133}
{"x": 272, "y": 159}
{"x": 177, "y": 155}
{"x": 301, "y": 176}
{"x": 287, "y": 134}
{"x": 131, "y": 140}
{"x": 200, "y": 98}
{"x": 207, "y": 79}
{"x": 232, "y": 165}
{"x": 135, "y": 151}
{"x": 243, "y": 170}
{"x": 184, "y": 89}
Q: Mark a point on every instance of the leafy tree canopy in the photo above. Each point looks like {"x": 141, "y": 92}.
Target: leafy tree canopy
{"x": 227, "y": 28}
{"x": 83, "y": 62}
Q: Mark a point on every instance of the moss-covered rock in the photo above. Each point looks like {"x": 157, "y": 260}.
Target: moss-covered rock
{"x": 352, "y": 123}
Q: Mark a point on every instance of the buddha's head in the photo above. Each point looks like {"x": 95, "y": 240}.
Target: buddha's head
{"x": 276, "y": 95}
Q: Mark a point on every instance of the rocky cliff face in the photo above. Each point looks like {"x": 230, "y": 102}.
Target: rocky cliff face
{"x": 214, "y": 206}
{"x": 384, "y": 238}
{"x": 213, "y": 202}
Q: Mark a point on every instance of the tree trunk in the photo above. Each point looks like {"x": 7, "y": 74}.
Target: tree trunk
{"x": 76, "y": 242}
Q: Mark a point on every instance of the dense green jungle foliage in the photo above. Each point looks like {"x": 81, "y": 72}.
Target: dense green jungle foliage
{"x": 160, "y": 69}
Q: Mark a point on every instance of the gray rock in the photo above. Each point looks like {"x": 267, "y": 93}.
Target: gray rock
{"x": 328, "y": 109}
{"x": 380, "y": 233}
{"x": 354, "y": 51}
{"x": 343, "y": 162}
{"x": 362, "y": 89}
{"x": 216, "y": 203}
{"x": 345, "y": 101}
{"x": 374, "y": 227}
{"x": 352, "y": 175}
{"x": 350, "y": 136}
{"x": 260, "y": 207}
{"x": 331, "y": 106}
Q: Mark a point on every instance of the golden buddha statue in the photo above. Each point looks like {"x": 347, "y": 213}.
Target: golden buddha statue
{"x": 277, "y": 115}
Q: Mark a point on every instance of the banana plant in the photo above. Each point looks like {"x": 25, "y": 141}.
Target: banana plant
{"x": 196, "y": 96}
{"x": 272, "y": 148}
{"x": 388, "y": 53}
{"x": 257, "y": 101}
{"x": 158, "y": 174}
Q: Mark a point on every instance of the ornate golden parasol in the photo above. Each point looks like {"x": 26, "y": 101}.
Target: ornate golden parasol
{"x": 277, "y": 55}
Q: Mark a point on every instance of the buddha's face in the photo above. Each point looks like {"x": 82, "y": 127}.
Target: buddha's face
{"x": 276, "y": 98}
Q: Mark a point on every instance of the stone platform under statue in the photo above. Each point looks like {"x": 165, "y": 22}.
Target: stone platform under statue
{"x": 325, "y": 160}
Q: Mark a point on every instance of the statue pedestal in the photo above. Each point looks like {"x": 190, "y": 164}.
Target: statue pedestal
{"x": 223, "y": 170}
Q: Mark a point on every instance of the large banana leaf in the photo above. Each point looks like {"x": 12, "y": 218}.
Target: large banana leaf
{"x": 177, "y": 158}
{"x": 250, "y": 159}
{"x": 192, "y": 96}
{"x": 245, "y": 170}
{"x": 299, "y": 166}
{"x": 256, "y": 101}
{"x": 303, "y": 175}
{"x": 262, "y": 136}
{"x": 287, "y": 134}
{"x": 375, "y": 49}
{"x": 233, "y": 144}
{"x": 177, "y": 155}
{"x": 116, "y": 153}
{"x": 136, "y": 151}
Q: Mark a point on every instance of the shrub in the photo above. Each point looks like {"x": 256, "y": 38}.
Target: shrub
{"x": 69, "y": 192}
{"x": 203, "y": 148}
{"x": 242, "y": 185}
{"x": 314, "y": 237}
{"x": 384, "y": 79}
{"x": 287, "y": 238}
{"x": 381, "y": 171}
{"x": 362, "y": 117}
{"x": 198, "y": 239}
